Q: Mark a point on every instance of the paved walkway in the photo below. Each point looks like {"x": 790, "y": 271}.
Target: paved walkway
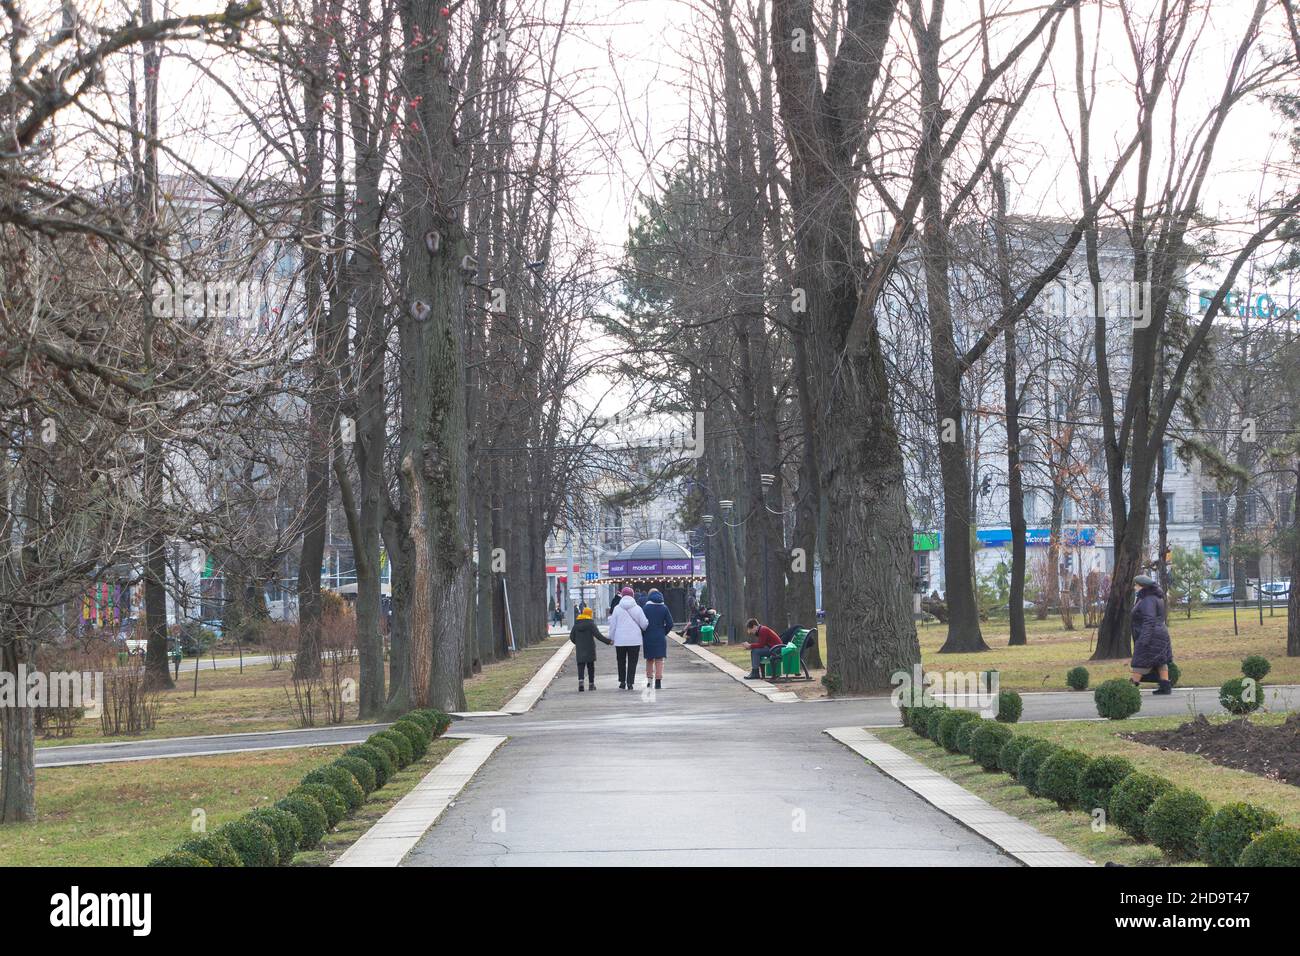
{"x": 702, "y": 772}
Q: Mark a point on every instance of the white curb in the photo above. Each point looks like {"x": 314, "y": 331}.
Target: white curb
{"x": 400, "y": 829}
{"x": 531, "y": 692}
{"x": 1014, "y": 837}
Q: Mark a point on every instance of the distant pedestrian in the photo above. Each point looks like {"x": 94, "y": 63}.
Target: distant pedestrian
{"x": 584, "y": 634}
{"x": 655, "y": 638}
{"x": 626, "y": 624}
{"x": 1152, "y": 649}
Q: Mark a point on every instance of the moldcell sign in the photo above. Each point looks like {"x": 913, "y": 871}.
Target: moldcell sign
{"x": 652, "y": 567}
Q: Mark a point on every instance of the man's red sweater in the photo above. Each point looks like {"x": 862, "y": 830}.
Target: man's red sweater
{"x": 766, "y": 637}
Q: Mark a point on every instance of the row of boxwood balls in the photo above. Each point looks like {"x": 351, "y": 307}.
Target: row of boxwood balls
{"x": 270, "y": 836}
{"x": 1120, "y": 698}
{"x": 1147, "y": 807}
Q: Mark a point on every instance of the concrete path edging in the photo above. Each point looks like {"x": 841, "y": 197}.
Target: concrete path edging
{"x": 1015, "y": 837}
{"x": 762, "y": 687}
{"x": 395, "y": 833}
{"x": 531, "y": 692}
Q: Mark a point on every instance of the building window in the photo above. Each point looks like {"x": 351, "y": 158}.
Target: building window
{"x": 1167, "y": 455}
{"x": 1209, "y": 508}
{"x": 1169, "y": 506}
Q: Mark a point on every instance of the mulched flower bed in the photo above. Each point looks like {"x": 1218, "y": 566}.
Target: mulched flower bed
{"x": 1272, "y": 752}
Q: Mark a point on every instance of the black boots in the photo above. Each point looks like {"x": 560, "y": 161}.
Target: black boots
{"x": 658, "y": 684}
{"x": 1165, "y": 689}
{"x": 753, "y": 675}
{"x": 581, "y": 688}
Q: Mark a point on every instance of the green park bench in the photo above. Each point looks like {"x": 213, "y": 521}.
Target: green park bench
{"x": 792, "y": 663}
{"x": 708, "y": 632}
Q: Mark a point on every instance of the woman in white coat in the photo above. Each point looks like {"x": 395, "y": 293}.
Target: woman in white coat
{"x": 626, "y": 623}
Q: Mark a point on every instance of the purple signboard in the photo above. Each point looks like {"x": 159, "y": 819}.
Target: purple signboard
{"x": 645, "y": 566}
{"x": 678, "y": 566}
{"x": 618, "y": 567}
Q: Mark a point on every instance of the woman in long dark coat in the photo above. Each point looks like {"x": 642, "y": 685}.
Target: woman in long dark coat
{"x": 654, "y": 640}
{"x": 584, "y": 635}
{"x": 1152, "y": 649}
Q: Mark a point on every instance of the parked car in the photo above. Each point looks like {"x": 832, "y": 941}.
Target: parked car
{"x": 1219, "y": 596}
{"x": 1274, "y": 591}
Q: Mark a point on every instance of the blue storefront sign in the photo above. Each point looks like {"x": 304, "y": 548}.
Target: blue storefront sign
{"x": 1035, "y": 537}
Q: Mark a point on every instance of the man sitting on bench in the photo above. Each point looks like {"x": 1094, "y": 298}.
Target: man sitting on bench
{"x": 701, "y": 617}
{"x": 765, "y": 644}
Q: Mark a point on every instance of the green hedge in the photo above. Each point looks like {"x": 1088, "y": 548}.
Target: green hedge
{"x": 253, "y": 840}
{"x": 286, "y": 827}
{"x": 1058, "y": 777}
{"x": 1117, "y": 699}
{"x": 360, "y": 770}
{"x": 311, "y": 817}
{"x": 1277, "y": 847}
{"x": 1076, "y": 678}
{"x": 1229, "y": 830}
{"x": 1011, "y": 752}
{"x": 951, "y": 723}
{"x": 1099, "y": 779}
{"x": 964, "y": 734}
{"x": 933, "y": 720}
{"x": 1132, "y": 799}
{"x": 1174, "y": 821}
{"x": 1256, "y": 667}
{"x": 270, "y": 836}
{"x": 377, "y": 758}
{"x": 1241, "y": 695}
{"x": 987, "y": 741}
{"x": 1031, "y": 761}
{"x": 214, "y": 848}
{"x": 344, "y": 784}
{"x": 1010, "y": 707}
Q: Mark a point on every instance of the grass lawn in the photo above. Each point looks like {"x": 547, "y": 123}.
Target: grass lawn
{"x": 497, "y": 683}
{"x": 1204, "y": 647}
{"x": 229, "y": 702}
{"x": 126, "y": 814}
{"x": 1074, "y": 828}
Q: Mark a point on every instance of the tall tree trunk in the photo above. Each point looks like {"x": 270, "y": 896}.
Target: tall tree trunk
{"x": 17, "y": 738}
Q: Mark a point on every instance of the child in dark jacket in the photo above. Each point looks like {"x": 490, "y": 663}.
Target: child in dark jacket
{"x": 584, "y": 635}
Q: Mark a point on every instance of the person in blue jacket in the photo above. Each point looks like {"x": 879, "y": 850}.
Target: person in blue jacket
{"x": 654, "y": 639}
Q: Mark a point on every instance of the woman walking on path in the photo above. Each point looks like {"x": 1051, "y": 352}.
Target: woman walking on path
{"x": 1152, "y": 649}
{"x": 584, "y": 635}
{"x": 655, "y": 638}
{"x": 625, "y": 626}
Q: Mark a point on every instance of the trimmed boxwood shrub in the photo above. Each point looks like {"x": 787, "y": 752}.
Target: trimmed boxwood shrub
{"x": 1117, "y": 699}
{"x": 1077, "y": 678}
{"x": 1240, "y": 695}
{"x": 253, "y": 840}
{"x": 1256, "y": 667}
{"x": 1030, "y": 761}
{"x": 987, "y": 741}
{"x": 1230, "y": 829}
{"x": 179, "y": 858}
{"x": 311, "y": 816}
{"x": 1099, "y": 779}
{"x": 1009, "y": 755}
{"x": 362, "y": 771}
{"x": 933, "y": 720}
{"x": 213, "y": 847}
{"x": 379, "y": 761}
{"x": 1174, "y": 821}
{"x": 330, "y": 800}
{"x": 389, "y": 748}
{"x": 1277, "y": 847}
{"x": 921, "y": 718}
{"x": 1130, "y": 800}
{"x": 441, "y": 720}
{"x": 430, "y": 723}
{"x": 405, "y": 753}
{"x": 1175, "y": 672}
{"x": 1058, "y": 777}
{"x": 285, "y": 826}
{"x": 950, "y": 724}
{"x": 342, "y": 781}
{"x": 964, "y": 734}
{"x": 1010, "y": 707}
{"x": 414, "y": 733}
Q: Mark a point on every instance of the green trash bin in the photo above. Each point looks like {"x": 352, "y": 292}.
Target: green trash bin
{"x": 122, "y": 658}
{"x": 706, "y": 633}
